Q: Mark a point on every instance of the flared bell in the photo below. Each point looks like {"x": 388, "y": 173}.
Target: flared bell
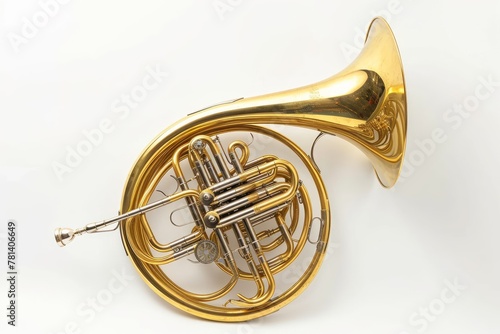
{"x": 381, "y": 132}
{"x": 364, "y": 104}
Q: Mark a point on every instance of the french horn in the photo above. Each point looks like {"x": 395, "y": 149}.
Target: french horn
{"x": 226, "y": 232}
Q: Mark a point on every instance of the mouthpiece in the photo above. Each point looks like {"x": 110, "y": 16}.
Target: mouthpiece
{"x": 64, "y": 235}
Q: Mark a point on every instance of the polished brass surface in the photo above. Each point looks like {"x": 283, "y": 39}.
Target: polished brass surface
{"x": 252, "y": 218}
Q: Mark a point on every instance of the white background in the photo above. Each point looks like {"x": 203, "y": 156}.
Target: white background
{"x": 393, "y": 250}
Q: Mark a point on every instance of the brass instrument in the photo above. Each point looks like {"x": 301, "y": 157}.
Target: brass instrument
{"x": 254, "y": 237}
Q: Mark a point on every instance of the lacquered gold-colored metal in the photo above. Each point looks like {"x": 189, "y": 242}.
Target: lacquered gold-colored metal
{"x": 229, "y": 201}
